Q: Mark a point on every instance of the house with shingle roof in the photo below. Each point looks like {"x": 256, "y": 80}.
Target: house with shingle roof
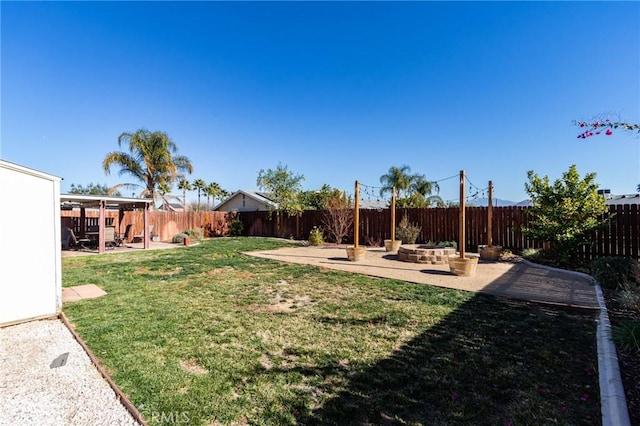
{"x": 247, "y": 201}
{"x": 615, "y": 200}
{"x": 609, "y": 198}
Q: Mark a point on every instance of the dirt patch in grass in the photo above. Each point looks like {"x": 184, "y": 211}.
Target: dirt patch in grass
{"x": 192, "y": 366}
{"x": 244, "y": 275}
{"x": 265, "y": 361}
{"x": 278, "y": 304}
{"x": 219, "y": 271}
{"x": 145, "y": 271}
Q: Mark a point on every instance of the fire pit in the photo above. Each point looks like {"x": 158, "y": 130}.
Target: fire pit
{"x": 416, "y": 253}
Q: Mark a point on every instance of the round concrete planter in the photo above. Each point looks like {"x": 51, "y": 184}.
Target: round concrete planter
{"x": 356, "y": 253}
{"x": 463, "y": 267}
{"x": 392, "y": 245}
{"x": 490, "y": 253}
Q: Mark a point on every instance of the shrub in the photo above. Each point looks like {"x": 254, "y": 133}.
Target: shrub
{"x": 179, "y": 238}
{"x": 564, "y": 213}
{"x": 374, "y": 241}
{"x": 236, "y": 228}
{"x": 626, "y": 335}
{"x": 452, "y": 244}
{"x": 196, "y": 234}
{"x": 316, "y": 238}
{"x": 530, "y": 253}
{"x": 337, "y": 217}
{"x": 614, "y": 271}
{"x": 629, "y": 298}
{"x": 407, "y": 232}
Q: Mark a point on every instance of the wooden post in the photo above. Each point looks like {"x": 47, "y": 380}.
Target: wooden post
{"x": 462, "y": 215}
{"x": 356, "y": 216}
{"x": 83, "y": 221}
{"x": 101, "y": 211}
{"x": 393, "y": 213}
{"x": 490, "y": 216}
{"x": 145, "y": 224}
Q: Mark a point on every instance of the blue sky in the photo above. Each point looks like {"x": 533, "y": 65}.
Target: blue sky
{"x": 336, "y": 91}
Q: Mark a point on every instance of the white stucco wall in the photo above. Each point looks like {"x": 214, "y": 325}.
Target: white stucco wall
{"x": 236, "y": 204}
{"x": 30, "y": 256}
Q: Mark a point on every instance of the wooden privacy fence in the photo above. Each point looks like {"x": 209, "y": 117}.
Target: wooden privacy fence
{"x": 437, "y": 224}
{"x": 165, "y": 224}
{"x": 620, "y": 238}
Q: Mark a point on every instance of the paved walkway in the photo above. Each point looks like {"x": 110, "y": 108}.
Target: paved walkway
{"x": 81, "y": 292}
{"x": 516, "y": 279}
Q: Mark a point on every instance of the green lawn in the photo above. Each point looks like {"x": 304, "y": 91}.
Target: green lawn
{"x": 209, "y": 335}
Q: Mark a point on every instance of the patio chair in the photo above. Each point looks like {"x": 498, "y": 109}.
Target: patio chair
{"x": 110, "y": 237}
{"x": 70, "y": 241}
{"x": 126, "y": 237}
{"x": 141, "y": 235}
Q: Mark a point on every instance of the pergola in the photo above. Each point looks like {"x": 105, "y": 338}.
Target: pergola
{"x": 102, "y": 203}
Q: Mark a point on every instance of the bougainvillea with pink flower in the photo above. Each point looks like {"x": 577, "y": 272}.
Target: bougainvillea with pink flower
{"x": 605, "y": 126}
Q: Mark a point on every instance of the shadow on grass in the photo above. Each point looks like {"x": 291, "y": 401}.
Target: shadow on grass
{"x": 492, "y": 361}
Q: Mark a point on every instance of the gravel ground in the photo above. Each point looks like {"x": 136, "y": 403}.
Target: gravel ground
{"x": 33, "y": 393}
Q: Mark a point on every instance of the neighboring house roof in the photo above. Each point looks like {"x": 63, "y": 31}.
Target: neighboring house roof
{"x": 610, "y": 200}
{"x": 615, "y": 200}
{"x": 374, "y": 204}
{"x": 259, "y": 198}
{"x": 171, "y": 207}
{"x": 264, "y": 195}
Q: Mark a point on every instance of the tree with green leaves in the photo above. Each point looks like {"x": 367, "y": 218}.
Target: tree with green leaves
{"x": 283, "y": 186}
{"x": 92, "y": 189}
{"x": 152, "y": 159}
{"x": 318, "y": 199}
{"x": 184, "y": 185}
{"x": 564, "y": 212}
{"x": 200, "y": 185}
{"x": 418, "y": 201}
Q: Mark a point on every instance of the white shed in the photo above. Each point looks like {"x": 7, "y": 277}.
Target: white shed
{"x": 30, "y": 267}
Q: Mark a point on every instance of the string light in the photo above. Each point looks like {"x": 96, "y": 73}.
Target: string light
{"x": 372, "y": 192}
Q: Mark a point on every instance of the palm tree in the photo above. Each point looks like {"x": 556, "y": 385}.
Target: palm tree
{"x": 185, "y": 186}
{"x": 151, "y": 159}
{"x": 398, "y": 177}
{"x": 214, "y": 191}
{"x": 423, "y": 186}
{"x": 434, "y": 200}
{"x": 200, "y": 185}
